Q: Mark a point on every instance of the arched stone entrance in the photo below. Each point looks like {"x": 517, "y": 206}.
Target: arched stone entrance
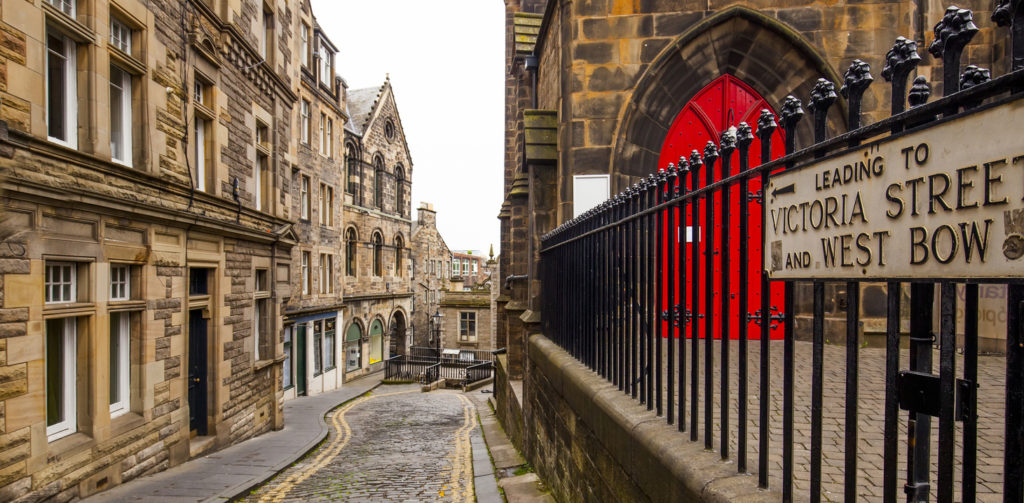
{"x": 397, "y": 332}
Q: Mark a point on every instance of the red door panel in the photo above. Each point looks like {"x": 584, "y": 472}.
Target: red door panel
{"x": 724, "y": 102}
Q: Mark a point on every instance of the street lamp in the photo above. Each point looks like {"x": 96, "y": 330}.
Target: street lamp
{"x": 436, "y": 320}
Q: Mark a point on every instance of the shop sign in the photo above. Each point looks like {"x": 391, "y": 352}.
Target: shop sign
{"x": 943, "y": 202}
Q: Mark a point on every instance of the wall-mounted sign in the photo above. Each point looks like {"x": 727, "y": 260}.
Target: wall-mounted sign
{"x": 944, "y": 202}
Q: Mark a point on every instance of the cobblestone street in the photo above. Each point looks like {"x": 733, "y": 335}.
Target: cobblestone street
{"x": 393, "y": 444}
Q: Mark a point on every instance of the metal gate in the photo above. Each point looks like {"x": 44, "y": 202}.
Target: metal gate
{"x": 605, "y": 300}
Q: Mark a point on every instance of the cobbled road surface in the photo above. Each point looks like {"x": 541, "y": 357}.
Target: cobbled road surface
{"x": 395, "y": 444}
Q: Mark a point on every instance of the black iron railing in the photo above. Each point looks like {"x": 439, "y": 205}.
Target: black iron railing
{"x": 626, "y": 300}
{"x": 479, "y": 372}
{"x": 404, "y": 367}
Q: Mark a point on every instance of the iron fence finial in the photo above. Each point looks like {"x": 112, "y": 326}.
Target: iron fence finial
{"x": 823, "y": 95}
{"x": 920, "y": 91}
{"x": 744, "y": 135}
{"x": 766, "y": 124}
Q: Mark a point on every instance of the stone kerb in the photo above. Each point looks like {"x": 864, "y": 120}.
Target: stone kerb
{"x": 661, "y": 463}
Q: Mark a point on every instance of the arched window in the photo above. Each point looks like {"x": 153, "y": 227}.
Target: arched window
{"x": 400, "y": 190}
{"x": 378, "y": 182}
{"x": 378, "y": 254}
{"x": 376, "y": 342}
{"x": 351, "y": 169}
{"x": 353, "y": 347}
{"x": 399, "y": 249}
{"x": 351, "y": 239}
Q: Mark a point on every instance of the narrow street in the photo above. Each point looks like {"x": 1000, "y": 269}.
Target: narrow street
{"x": 394, "y": 443}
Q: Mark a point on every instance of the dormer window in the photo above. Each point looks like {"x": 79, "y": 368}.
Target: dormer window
{"x": 326, "y": 64}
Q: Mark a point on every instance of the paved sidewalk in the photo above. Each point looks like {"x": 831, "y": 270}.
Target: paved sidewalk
{"x": 230, "y": 472}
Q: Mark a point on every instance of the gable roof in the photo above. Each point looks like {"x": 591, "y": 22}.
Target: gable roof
{"x": 359, "y": 105}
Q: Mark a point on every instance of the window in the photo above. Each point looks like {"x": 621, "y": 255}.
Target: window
{"x": 350, "y": 252}
{"x": 120, "y": 115}
{"x": 261, "y": 322}
{"x": 306, "y": 54}
{"x": 267, "y": 36}
{"x": 263, "y": 348}
{"x": 318, "y": 348}
{"x": 378, "y": 183}
{"x": 65, "y": 6}
{"x": 328, "y": 356}
{"x": 120, "y": 282}
{"x": 376, "y": 342}
{"x": 120, "y": 363}
{"x": 262, "y": 134}
{"x": 330, "y": 137}
{"x": 378, "y": 255}
{"x": 120, "y": 35}
{"x": 353, "y": 347}
{"x": 323, "y": 133}
{"x": 262, "y": 182}
{"x": 286, "y": 367}
{"x": 476, "y": 263}
{"x": 465, "y": 267}
{"x": 203, "y": 99}
{"x": 305, "y": 273}
{"x": 389, "y": 130}
{"x": 305, "y": 122}
{"x": 60, "y": 282}
{"x": 455, "y": 267}
{"x": 399, "y": 250}
{"x": 61, "y": 370}
{"x": 467, "y": 326}
{"x": 304, "y": 198}
{"x": 198, "y": 281}
{"x": 351, "y": 177}
{"x": 400, "y": 191}
{"x": 326, "y": 204}
{"x": 61, "y": 88}
{"x": 326, "y": 64}
{"x": 326, "y": 273}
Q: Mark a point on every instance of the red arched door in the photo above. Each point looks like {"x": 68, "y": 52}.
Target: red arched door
{"x": 725, "y": 102}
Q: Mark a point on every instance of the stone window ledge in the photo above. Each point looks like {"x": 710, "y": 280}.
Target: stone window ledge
{"x": 68, "y": 446}
{"x": 125, "y": 423}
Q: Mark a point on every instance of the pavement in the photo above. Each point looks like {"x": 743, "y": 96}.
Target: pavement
{"x": 235, "y": 470}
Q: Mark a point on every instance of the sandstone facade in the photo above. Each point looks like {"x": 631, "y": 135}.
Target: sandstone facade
{"x": 378, "y": 231}
{"x": 432, "y": 263}
{"x": 147, "y": 242}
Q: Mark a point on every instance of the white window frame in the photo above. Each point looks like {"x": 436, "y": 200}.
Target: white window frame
{"x": 70, "y": 353}
{"x": 305, "y": 273}
{"x": 304, "y": 35}
{"x": 330, "y": 273}
{"x": 200, "y": 154}
{"x": 125, "y": 137}
{"x": 266, "y": 23}
{"x": 326, "y": 64}
{"x": 48, "y": 283}
{"x": 70, "y": 112}
{"x": 120, "y": 282}
{"x": 120, "y": 35}
{"x": 304, "y": 197}
{"x": 305, "y": 121}
{"x": 262, "y": 164}
{"x": 65, "y": 6}
{"x": 123, "y": 356}
{"x": 330, "y": 137}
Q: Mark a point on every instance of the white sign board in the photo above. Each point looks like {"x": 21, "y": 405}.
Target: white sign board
{"x": 588, "y": 191}
{"x": 944, "y": 202}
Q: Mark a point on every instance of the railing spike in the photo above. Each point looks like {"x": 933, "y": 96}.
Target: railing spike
{"x": 920, "y": 91}
{"x": 727, "y": 141}
{"x": 695, "y": 159}
{"x": 823, "y": 95}
{"x": 952, "y": 34}
{"x": 744, "y": 135}
{"x": 766, "y": 124}
{"x": 856, "y": 81}
{"x": 710, "y": 153}
{"x": 900, "y": 61}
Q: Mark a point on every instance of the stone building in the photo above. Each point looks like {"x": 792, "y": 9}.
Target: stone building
{"x": 313, "y": 314}
{"x": 598, "y": 92}
{"x": 470, "y": 266}
{"x": 467, "y": 313}
{"x": 377, "y": 232}
{"x": 148, "y": 150}
{"x": 431, "y": 266}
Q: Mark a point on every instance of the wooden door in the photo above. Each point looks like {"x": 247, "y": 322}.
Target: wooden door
{"x": 197, "y": 373}
{"x": 724, "y": 102}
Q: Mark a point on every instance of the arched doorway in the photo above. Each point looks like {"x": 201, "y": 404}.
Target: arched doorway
{"x": 376, "y": 349}
{"x": 398, "y": 335}
{"x": 353, "y": 347}
{"x": 724, "y": 102}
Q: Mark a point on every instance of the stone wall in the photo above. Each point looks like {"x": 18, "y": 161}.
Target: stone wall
{"x": 432, "y": 268}
{"x": 453, "y": 304}
{"x": 590, "y": 442}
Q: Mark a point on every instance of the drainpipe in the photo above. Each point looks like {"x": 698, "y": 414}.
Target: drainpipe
{"x": 531, "y": 64}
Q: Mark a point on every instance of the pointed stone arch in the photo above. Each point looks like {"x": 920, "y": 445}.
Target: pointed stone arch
{"x": 766, "y": 54}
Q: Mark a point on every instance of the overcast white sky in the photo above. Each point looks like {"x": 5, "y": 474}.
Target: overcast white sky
{"x": 446, "y": 61}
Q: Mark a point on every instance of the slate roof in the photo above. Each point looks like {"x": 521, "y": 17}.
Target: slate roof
{"x": 359, "y": 106}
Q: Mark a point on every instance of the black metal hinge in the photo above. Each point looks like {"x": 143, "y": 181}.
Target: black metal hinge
{"x": 921, "y": 392}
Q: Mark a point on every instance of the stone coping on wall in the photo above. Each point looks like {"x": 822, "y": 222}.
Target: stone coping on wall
{"x": 659, "y": 459}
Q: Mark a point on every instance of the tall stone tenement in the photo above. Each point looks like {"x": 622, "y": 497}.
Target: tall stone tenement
{"x": 176, "y": 205}
{"x": 378, "y": 230}
{"x": 432, "y": 263}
